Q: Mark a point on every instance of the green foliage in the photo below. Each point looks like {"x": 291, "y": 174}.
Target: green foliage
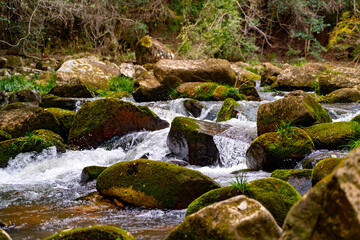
{"x": 354, "y": 142}
{"x": 285, "y": 129}
{"x": 121, "y": 83}
{"x": 217, "y": 32}
{"x": 16, "y": 83}
{"x": 241, "y": 182}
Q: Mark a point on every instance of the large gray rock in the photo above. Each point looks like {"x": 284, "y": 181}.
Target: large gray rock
{"x": 331, "y": 209}
{"x": 95, "y": 74}
{"x": 150, "y": 50}
{"x": 297, "y": 107}
{"x": 236, "y": 218}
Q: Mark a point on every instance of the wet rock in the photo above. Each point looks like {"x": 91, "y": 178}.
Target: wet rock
{"x": 103, "y": 232}
{"x": 52, "y": 101}
{"x": 139, "y": 183}
{"x": 303, "y": 77}
{"x": 20, "y": 118}
{"x": 324, "y": 168}
{"x": 192, "y": 140}
{"x": 128, "y": 70}
{"x": 91, "y": 173}
{"x": 297, "y": 107}
{"x": 3, "y": 99}
{"x": 300, "y": 179}
{"x": 311, "y": 160}
{"x": 338, "y": 77}
{"x": 103, "y": 119}
{"x": 4, "y": 235}
{"x": 65, "y": 118}
{"x": 194, "y": 107}
{"x": 336, "y": 135}
{"x": 235, "y": 218}
{"x": 150, "y": 50}
{"x": 26, "y": 95}
{"x": 330, "y": 210}
{"x": 343, "y": 95}
{"x": 92, "y": 72}
{"x": 36, "y": 141}
{"x": 74, "y": 88}
{"x": 229, "y": 109}
{"x": 4, "y": 135}
{"x": 273, "y": 151}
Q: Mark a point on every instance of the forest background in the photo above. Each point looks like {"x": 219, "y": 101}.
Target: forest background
{"x": 245, "y": 30}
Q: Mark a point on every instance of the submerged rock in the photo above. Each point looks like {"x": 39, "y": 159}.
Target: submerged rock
{"x": 297, "y": 107}
{"x": 236, "y": 218}
{"x": 311, "y": 160}
{"x": 73, "y": 88}
{"x": 36, "y": 141}
{"x": 20, "y": 118}
{"x": 194, "y": 107}
{"x": 91, "y": 173}
{"x": 193, "y": 140}
{"x": 150, "y": 50}
{"x": 330, "y": 210}
{"x": 336, "y": 135}
{"x": 273, "y": 151}
{"x": 103, "y": 232}
{"x": 103, "y": 119}
{"x": 229, "y": 109}
{"x": 324, "y": 168}
{"x": 300, "y": 179}
{"x": 153, "y": 184}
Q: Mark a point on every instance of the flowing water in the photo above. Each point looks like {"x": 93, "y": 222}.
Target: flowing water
{"x": 39, "y": 191}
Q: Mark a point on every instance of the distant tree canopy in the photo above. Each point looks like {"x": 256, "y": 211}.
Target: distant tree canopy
{"x": 233, "y": 29}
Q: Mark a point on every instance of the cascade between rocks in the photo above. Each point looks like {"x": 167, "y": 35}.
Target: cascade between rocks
{"x": 39, "y": 191}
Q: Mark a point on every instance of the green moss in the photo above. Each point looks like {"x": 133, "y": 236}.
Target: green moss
{"x": 276, "y": 195}
{"x": 227, "y": 110}
{"x": 146, "y": 41}
{"x": 65, "y": 117}
{"x": 35, "y": 141}
{"x": 211, "y": 197}
{"x": 284, "y": 174}
{"x": 91, "y": 173}
{"x": 334, "y": 135}
{"x": 138, "y": 182}
{"x": 316, "y": 110}
{"x": 356, "y": 118}
{"x": 103, "y": 232}
{"x": 184, "y": 124}
{"x": 324, "y": 168}
{"x": 4, "y": 135}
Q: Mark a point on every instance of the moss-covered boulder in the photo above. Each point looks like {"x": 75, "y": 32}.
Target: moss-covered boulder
{"x": 91, "y": 71}
{"x": 273, "y": 150}
{"x": 324, "y": 168}
{"x": 193, "y": 140}
{"x": 103, "y": 232}
{"x": 297, "y": 107}
{"x": 4, "y": 235}
{"x": 338, "y": 77}
{"x": 73, "y": 88}
{"x": 153, "y": 184}
{"x": 52, "y": 101}
{"x": 150, "y": 50}
{"x": 194, "y": 107}
{"x": 229, "y": 109}
{"x": 37, "y": 141}
{"x": 334, "y": 135}
{"x": 206, "y": 92}
{"x": 65, "y": 117}
{"x": 300, "y": 179}
{"x": 25, "y": 95}
{"x": 18, "y": 119}
{"x": 356, "y": 118}
{"x": 299, "y": 77}
{"x": 103, "y": 119}
{"x": 91, "y": 173}
{"x": 330, "y": 209}
{"x": 343, "y": 95}
{"x": 4, "y": 135}
{"x": 235, "y": 218}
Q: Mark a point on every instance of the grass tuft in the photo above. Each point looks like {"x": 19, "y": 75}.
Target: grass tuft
{"x": 285, "y": 129}
{"x": 240, "y": 183}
